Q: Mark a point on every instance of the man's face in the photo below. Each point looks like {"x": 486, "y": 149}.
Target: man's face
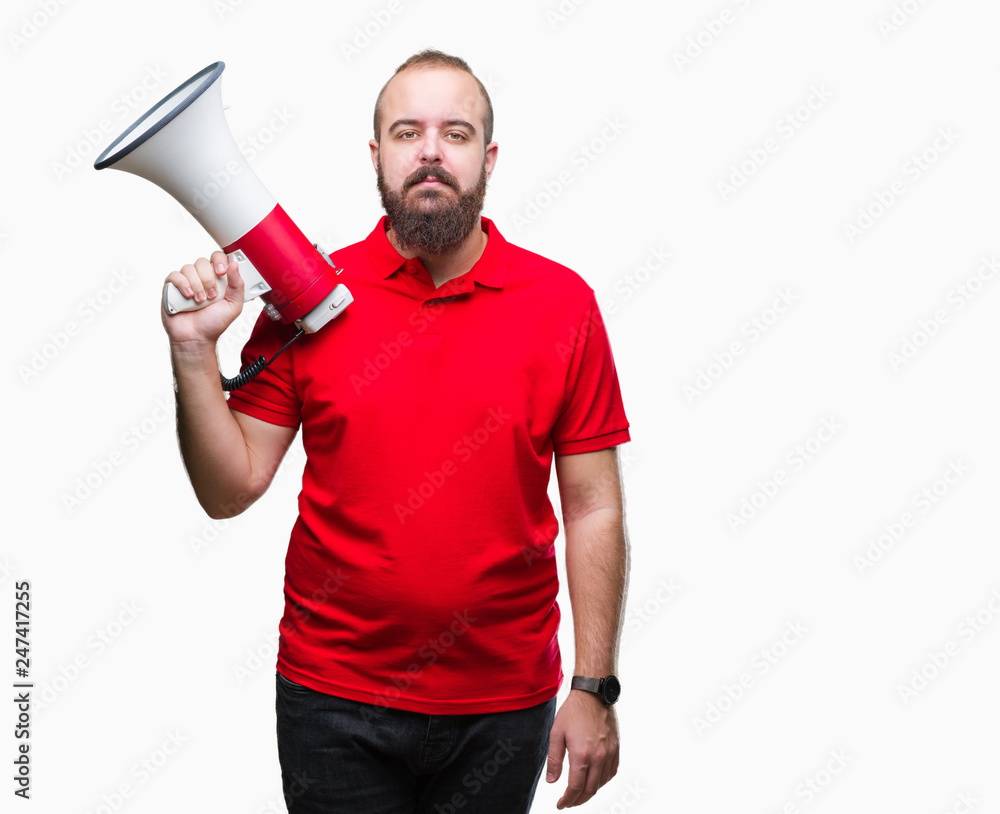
{"x": 431, "y": 162}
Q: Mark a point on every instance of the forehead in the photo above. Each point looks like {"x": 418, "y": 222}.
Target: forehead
{"x": 433, "y": 94}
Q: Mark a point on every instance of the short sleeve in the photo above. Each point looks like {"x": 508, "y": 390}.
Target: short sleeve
{"x": 593, "y": 416}
{"x": 271, "y": 396}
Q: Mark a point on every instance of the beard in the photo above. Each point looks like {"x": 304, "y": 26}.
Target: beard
{"x": 432, "y": 220}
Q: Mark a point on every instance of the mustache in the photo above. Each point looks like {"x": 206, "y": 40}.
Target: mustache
{"x": 431, "y": 172}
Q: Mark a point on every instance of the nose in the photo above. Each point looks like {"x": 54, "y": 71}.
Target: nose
{"x": 430, "y": 151}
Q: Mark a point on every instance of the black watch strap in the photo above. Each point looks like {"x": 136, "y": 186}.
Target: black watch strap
{"x": 608, "y": 688}
{"x": 586, "y": 683}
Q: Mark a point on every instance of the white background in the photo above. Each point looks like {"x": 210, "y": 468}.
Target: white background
{"x": 153, "y": 626}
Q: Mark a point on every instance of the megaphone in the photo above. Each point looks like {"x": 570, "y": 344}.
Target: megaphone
{"x": 184, "y": 146}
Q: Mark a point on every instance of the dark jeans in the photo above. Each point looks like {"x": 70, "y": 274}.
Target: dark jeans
{"x": 346, "y": 757}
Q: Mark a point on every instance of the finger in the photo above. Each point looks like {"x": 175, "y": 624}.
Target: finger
{"x": 233, "y": 282}
{"x": 575, "y": 788}
{"x": 208, "y": 278}
{"x": 595, "y": 779}
{"x": 611, "y": 768}
{"x": 223, "y": 266}
{"x": 219, "y": 257}
{"x": 181, "y": 281}
{"x": 605, "y": 767}
{"x": 194, "y": 282}
{"x": 554, "y": 762}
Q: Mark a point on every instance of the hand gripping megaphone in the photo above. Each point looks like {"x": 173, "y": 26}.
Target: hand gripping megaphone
{"x": 184, "y": 146}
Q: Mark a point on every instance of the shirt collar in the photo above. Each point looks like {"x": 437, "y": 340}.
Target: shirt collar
{"x": 489, "y": 270}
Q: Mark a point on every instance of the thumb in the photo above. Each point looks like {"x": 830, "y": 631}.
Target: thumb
{"x": 557, "y": 750}
{"x": 234, "y": 283}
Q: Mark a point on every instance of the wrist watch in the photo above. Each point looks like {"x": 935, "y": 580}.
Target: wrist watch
{"x": 608, "y": 688}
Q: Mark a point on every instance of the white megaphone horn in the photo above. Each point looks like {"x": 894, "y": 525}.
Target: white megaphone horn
{"x": 184, "y": 146}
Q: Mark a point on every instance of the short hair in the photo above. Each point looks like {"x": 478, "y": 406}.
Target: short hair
{"x": 431, "y": 58}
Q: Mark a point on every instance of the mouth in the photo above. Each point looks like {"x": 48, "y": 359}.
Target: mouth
{"x": 430, "y": 182}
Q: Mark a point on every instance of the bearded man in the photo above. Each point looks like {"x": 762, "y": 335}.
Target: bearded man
{"x": 418, "y": 662}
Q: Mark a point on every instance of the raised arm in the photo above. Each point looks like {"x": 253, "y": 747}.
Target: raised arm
{"x": 230, "y": 458}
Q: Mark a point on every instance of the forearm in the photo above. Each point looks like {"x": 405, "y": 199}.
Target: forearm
{"x": 597, "y": 567}
{"x": 211, "y": 442}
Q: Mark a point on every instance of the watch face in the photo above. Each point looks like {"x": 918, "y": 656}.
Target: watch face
{"x": 611, "y": 689}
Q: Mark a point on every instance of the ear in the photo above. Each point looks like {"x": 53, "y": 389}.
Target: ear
{"x": 491, "y": 158}
{"x": 373, "y": 146}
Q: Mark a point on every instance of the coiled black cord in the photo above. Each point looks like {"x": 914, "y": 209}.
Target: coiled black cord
{"x": 254, "y": 368}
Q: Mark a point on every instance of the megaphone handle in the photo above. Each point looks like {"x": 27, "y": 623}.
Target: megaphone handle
{"x": 174, "y": 302}
{"x": 253, "y": 286}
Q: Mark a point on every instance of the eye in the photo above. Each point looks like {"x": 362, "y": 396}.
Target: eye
{"x": 456, "y": 136}
{"x": 406, "y": 134}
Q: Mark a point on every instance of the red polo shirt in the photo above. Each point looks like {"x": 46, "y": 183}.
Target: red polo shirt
{"x": 421, "y": 571}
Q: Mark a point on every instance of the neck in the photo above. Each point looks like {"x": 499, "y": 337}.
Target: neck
{"x": 445, "y": 267}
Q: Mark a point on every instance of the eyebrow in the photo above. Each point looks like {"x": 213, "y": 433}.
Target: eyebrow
{"x": 449, "y": 123}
